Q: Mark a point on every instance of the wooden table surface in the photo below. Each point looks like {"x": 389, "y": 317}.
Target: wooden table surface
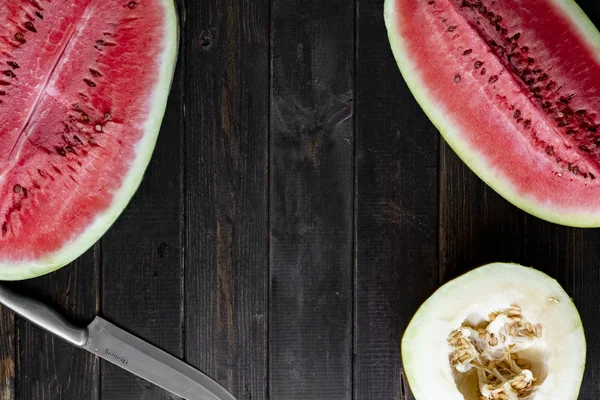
{"x": 298, "y": 209}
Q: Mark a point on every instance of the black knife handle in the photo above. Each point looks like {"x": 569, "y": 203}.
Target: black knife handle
{"x": 43, "y": 316}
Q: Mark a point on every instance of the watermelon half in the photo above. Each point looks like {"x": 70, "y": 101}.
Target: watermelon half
{"x": 83, "y": 90}
{"x": 514, "y": 88}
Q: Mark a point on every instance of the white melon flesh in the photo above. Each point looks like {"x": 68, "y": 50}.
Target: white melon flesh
{"x": 554, "y": 354}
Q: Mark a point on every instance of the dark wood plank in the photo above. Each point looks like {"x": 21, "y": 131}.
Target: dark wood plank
{"x": 477, "y": 226}
{"x": 227, "y": 80}
{"x": 47, "y": 367}
{"x": 7, "y": 355}
{"x": 142, "y": 258}
{"x": 396, "y": 211}
{"x": 311, "y": 199}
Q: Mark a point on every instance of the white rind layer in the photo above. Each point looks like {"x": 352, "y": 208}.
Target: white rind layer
{"x": 145, "y": 148}
{"x": 492, "y": 287}
{"x": 451, "y": 131}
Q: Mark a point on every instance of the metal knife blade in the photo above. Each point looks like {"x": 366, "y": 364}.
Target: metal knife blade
{"x": 120, "y": 348}
{"x": 140, "y": 358}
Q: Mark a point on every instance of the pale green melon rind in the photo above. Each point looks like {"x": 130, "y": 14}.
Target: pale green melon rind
{"x": 447, "y": 291}
{"x": 145, "y": 148}
{"x": 451, "y": 132}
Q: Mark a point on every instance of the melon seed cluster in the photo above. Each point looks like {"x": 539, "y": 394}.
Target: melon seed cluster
{"x": 492, "y": 349}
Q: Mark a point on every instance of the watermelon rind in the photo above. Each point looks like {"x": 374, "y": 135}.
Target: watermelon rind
{"x": 26, "y": 269}
{"x": 469, "y": 155}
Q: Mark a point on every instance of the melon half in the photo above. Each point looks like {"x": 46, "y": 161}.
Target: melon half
{"x": 514, "y": 88}
{"x": 83, "y": 91}
{"x": 501, "y": 331}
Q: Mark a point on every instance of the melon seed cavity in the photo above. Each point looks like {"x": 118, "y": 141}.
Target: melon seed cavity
{"x": 500, "y": 355}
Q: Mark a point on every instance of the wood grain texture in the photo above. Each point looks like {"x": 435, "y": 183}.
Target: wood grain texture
{"x": 396, "y": 210}
{"x": 49, "y": 368}
{"x": 311, "y": 199}
{"x": 227, "y": 110}
{"x": 142, "y": 260}
{"x": 8, "y": 354}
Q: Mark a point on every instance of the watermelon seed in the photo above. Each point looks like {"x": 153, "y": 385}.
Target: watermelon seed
{"x": 517, "y": 114}
{"x": 76, "y": 138}
{"x": 570, "y": 132}
{"x": 527, "y": 123}
{"x": 525, "y": 49}
{"x": 493, "y": 79}
{"x": 551, "y": 85}
{"x": 30, "y": 27}
{"x": 542, "y": 78}
{"x": 4, "y": 228}
{"x": 457, "y": 79}
{"x": 107, "y": 116}
{"x": 592, "y": 176}
{"x": 451, "y": 28}
{"x": 9, "y": 73}
{"x": 575, "y": 170}
{"x": 467, "y": 52}
{"x": 483, "y": 71}
{"x": 83, "y": 97}
{"x": 98, "y": 128}
{"x": 17, "y": 188}
{"x": 61, "y": 151}
{"x": 20, "y": 37}
{"x": 13, "y": 65}
{"x": 70, "y": 149}
{"x": 89, "y": 82}
{"x": 584, "y": 148}
{"x": 131, "y": 4}
{"x": 40, "y": 16}
{"x": 478, "y": 64}
{"x": 562, "y": 124}
{"x": 95, "y": 73}
{"x": 550, "y": 150}
{"x": 84, "y": 117}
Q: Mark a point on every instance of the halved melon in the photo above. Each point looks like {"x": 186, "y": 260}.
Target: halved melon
{"x": 83, "y": 90}
{"x": 501, "y": 331}
{"x": 514, "y": 88}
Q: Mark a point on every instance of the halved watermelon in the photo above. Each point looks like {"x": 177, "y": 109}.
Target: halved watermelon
{"x": 83, "y": 90}
{"x": 514, "y": 88}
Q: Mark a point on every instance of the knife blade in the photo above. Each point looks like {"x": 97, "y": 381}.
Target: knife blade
{"x": 121, "y": 348}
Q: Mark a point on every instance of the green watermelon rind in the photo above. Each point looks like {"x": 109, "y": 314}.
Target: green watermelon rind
{"x": 145, "y": 148}
{"x": 469, "y": 155}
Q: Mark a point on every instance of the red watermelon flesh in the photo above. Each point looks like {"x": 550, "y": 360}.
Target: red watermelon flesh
{"x": 514, "y": 88}
{"x": 83, "y": 87}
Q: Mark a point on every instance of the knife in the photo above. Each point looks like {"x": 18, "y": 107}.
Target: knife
{"x": 120, "y": 348}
